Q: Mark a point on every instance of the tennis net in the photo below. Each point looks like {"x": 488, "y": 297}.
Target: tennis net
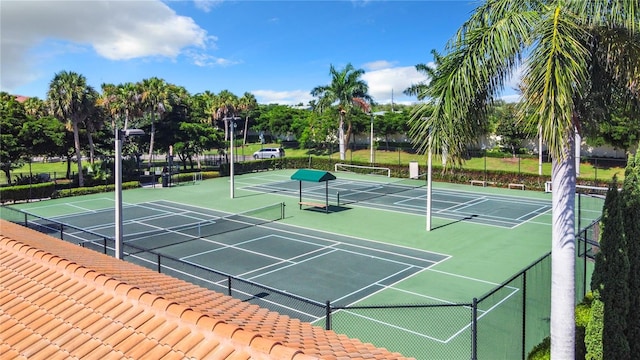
{"x": 595, "y": 191}
{"x": 155, "y": 239}
{"x": 360, "y": 169}
{"x": 372, "y": 191}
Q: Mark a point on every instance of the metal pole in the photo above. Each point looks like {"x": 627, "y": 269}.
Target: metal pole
{"x": 118, "y": 179}
{"x": 232, "y": 159}
{"x": 429, "y": 199}
{"x": 540, "y": 150}
{"x": 371, "y": 155}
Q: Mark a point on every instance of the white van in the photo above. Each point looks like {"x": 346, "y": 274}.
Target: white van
{"x": 268, "y": 153}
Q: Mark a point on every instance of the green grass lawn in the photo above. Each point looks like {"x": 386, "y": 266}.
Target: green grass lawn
{"x": 588, "y": 171}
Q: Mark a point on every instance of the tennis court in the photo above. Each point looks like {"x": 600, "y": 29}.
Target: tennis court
{"x": 316, "y": 266}
{"x": 410, "y": 196}
{"x": 371, "y": 249}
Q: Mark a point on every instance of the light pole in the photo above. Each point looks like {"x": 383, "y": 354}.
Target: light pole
{"x": 232, "y": 125}
{"x": 371, "y": 155}
{"x": 120, "y": 134}
{"x": 429, "y": 189}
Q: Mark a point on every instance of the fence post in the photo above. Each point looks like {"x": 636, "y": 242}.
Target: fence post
{"x": 474, "y": 329}
{"x": 524, "y": 314}
{"x": 584, "y": 263}
{"x": 327, "y": 324}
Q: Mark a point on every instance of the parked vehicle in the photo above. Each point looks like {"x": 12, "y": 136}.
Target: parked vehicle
{"x": 268, "y": 153}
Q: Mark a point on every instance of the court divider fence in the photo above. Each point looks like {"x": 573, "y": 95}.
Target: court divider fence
{"x": 506, "y": 322}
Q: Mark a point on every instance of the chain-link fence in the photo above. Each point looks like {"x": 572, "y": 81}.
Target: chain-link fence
{"x": 505, "y": 323}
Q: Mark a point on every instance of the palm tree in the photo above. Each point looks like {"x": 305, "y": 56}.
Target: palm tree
{"x": 247, "y": 103}
{"x": 129, "y": 99}
{"x": 70, "y": 100}
{"x": 349, "y": 91}
{"x": 419, "y": 90}
{"x": 225, "y": 106}
{"x": 565, "y": 47}
{"x": 209, "y": 101}
{"x": 155, "y": 94}
{"x": 35, "y": 107}
{"x": 92, "y": 122}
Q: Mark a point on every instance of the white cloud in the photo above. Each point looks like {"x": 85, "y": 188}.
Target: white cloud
{"x": 116, "y": 30}
{"x": 293, "y": 97}
{"x": 206, "y": 5}
{"x": 513, "y": 82}
{"x": 205, "y": 60}
{"x": 377, "y": 65}
{"x": 386, "y": 81}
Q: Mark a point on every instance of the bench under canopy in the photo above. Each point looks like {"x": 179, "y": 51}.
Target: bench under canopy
{"x": 310, "y": 175}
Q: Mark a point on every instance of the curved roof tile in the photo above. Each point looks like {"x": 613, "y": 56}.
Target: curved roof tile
{"x": 58, "y": 300}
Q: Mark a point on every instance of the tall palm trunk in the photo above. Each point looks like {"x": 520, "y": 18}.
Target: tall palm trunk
{"x": 341, "y": 136}
{"x": 347, "y": 136}
{"x": 563, "y": 254}
{"x": 91, "y": 147}
{"x": 246, "y": 127}
{"x": 153, "y": 135}
{"x": 226, "y": 128}
{"x": 76, "y": 144}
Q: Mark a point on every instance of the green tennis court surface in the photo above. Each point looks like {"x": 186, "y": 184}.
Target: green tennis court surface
{"x": 371, "y": 249}
{"x": 410, "y": 196}
{"x": 313, "y": 265}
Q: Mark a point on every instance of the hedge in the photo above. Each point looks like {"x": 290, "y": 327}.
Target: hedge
{"x": 26, "y": 192}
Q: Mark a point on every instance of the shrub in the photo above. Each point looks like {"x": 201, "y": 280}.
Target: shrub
{"x": 93, "y": 190}
{"x": 593, "y": 332}
{"x": 541, "y": 351}
{"x": 26, "y": 192}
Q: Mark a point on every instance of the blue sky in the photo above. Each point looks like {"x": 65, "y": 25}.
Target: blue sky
{"x": 277, "y": 50}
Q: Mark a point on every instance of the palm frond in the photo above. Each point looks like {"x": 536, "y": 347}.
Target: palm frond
{"x": 556, "y": 76}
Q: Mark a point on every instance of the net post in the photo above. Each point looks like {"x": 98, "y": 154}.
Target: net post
{"x": 229, "y": 285}
{"x": 327, "y": 324}
{"x": 159, "y": 264}
{"x": 61, "y": 231}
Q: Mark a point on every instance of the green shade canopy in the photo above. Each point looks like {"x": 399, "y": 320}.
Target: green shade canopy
{"x": 312, "y": 175}
{"x": 317, "y": 176}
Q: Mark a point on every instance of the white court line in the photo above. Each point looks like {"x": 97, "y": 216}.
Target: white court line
{"x": 295, "y": 310}
{"x": 83, "y": 209}
{"x": 395, "y": 327}
{"x": 294, "y": 264}
{"x": 536, "y": 211}
{"x": 291, "y": 260}
{"x": 236, "y": 247}
{"x": 376, "y": 283}
{"x": 446, "y": 256}
{"x": 465, "y": 205}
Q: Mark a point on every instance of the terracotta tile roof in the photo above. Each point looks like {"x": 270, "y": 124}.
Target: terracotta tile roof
{"x": 58, "y": 300}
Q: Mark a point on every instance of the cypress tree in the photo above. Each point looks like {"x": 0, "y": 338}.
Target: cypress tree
{"x": 611, "y": 278}
{"x": 631, "y": 210}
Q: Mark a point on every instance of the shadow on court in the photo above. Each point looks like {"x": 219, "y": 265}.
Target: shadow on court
{"x": 332, "y": 209}
{"x": 471, "y": 217}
